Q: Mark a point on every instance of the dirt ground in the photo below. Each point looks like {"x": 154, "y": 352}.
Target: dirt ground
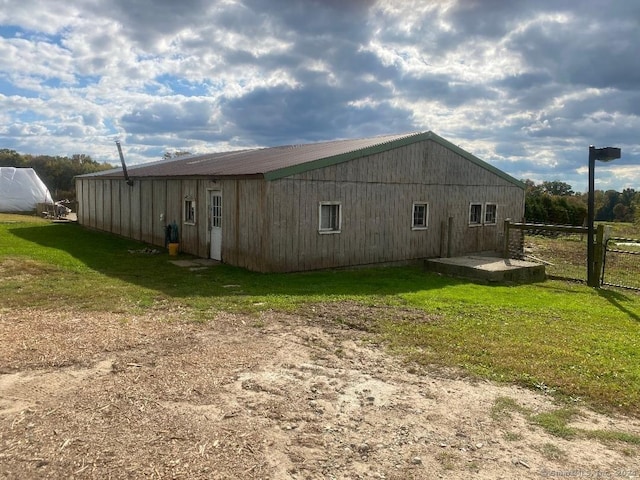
{"x": 273, "y": 396}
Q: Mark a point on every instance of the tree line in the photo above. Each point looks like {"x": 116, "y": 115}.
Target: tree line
{"x": 57, "y": 173}
{"x": 557, "y": 203}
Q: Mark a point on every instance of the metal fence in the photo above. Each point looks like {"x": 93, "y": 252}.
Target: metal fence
{"x": 622, "y": 263}
{"x": 561, "y": 249}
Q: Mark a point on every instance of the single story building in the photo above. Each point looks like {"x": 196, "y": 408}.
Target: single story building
{"x": 386, "y": 199}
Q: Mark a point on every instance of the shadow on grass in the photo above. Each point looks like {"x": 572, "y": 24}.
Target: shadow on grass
{"x": 122, "y": 258}
{"x": 616, "y": 298}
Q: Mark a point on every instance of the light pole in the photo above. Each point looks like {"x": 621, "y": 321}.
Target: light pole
{"x": 605, "y": 154}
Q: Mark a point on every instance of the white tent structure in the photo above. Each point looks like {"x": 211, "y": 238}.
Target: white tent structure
{"x": 21, "y": 190}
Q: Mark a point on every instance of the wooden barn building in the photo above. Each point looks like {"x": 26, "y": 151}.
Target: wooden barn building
{"x": 387, "y": 199}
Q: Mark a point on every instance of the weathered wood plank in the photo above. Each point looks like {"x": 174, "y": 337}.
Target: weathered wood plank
{"x": 116, "y": 226}
{"x": 146, "y": 211}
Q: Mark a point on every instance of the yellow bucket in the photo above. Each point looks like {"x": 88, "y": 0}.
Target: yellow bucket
{"x": 173, "y": 249}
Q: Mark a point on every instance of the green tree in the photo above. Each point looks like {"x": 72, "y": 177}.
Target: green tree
{"x": 605, "y": 213}
{"x": 620, "y": 212}
{"x": 554, "y": 202}
{"x": 11, "y": 158}
{"x": 557, "y": 188}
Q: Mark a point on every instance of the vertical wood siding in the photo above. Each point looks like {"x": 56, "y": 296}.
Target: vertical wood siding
{"x": 159, "y": 209}
{"x": 244, "y": 223}
{"x": 125, "y": 206}
{"x": 273, "y": 225}
{"x": 99, "y": 205}
{"x": 80, "y": 189}
{"x": 146, "y": 210}
{"x": 174, "y": 204}
{"x": 377, "y": 195}
{"x": 116, "y": 210}
{"x": 136, "y": 212}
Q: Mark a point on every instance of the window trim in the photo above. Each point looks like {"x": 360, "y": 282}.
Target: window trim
{"x": 426, "y": 216}
{"x": 210, "y": 214}
{"x": 325, "y": 231}
{"x": 189, "y": 203}
{"x": 480, "y": 216}
{"x": 495, "y": 214}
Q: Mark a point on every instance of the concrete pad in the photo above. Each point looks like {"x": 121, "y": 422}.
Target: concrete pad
{"x": 184, "y": 263}
{"x": 196, "y": 263}
{"x": 206, "y": 262}
{"x": 490, "y": 269}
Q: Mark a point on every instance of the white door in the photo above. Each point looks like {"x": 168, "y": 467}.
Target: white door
{"x": 215, "y": 225}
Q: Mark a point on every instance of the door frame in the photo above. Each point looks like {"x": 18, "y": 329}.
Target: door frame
{"x": 210, "y": 193}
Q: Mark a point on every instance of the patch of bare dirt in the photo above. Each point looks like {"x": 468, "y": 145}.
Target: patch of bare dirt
{"x": 269, "y": 397}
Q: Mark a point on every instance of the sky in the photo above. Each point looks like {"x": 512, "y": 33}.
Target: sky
{"x": 526, "y": 85}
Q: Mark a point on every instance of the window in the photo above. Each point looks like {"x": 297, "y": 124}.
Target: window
{"x": 475, "y": 214}
{"x": 330, "y": 217}
{"x": 190, "y": 211}
{"x": 490, "y": 213}
{"x": 420, "y": 216}
{"x": 216, "y": 210}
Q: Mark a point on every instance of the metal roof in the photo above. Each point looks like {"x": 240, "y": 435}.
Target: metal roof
{"x": 278, "y": 162}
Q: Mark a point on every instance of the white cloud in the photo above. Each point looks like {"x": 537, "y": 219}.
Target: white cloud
{"x": 526, "y": 85}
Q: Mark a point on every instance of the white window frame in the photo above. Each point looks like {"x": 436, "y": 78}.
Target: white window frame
{"x": 426, "y": 216}
{"x": 495, "y": 213}
{"x": 189, "y": 211}
{"x": 215, "y": 211}
{"x": 330, "y": 229}
{"x": 480, "y": 217}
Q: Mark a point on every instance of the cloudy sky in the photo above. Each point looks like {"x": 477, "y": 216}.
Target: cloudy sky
{"x": 526, "y": 85}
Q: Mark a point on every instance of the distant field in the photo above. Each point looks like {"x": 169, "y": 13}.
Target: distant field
{"x": 554, "y": 336}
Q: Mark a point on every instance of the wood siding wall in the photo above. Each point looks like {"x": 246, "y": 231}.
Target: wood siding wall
{"x": 273, "y": 225}
{"x": 246, "y": 223}
{"x": 376, "y": 195}
{"x": 143, "y": 210}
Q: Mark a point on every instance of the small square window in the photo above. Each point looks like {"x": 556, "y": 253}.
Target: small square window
{"x": 420, "y": 216}
{"x": 330, "y": 217}
{"x": 190, "y": 211}
{"x": 475, "y": 214}
{"x": 490, "y": 213}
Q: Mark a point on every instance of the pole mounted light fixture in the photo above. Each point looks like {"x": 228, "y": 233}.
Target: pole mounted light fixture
{"x": 605, "y": 154}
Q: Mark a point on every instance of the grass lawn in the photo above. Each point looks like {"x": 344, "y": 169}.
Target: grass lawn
{"x": 555, "y": 336}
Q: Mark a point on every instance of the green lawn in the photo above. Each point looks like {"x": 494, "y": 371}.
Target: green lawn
{"x": 554, "y": 336}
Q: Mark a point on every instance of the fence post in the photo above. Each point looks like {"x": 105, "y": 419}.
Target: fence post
{"x": 602, "y": 235}
{"x": 505, "y": 248}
